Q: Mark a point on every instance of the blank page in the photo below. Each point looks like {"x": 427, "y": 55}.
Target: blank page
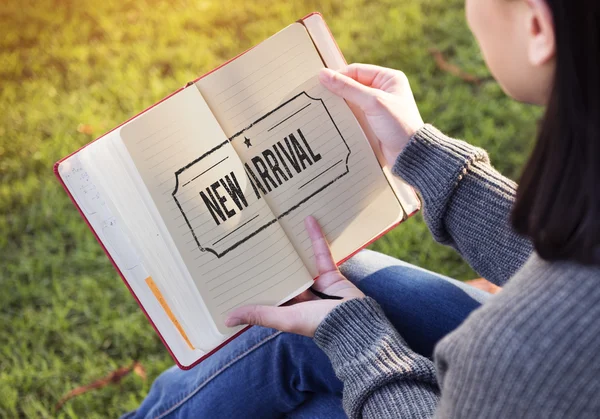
{"x": 233, "y": 250}
{"x": 257, "y": 101}
{"x": 122, "y": 248}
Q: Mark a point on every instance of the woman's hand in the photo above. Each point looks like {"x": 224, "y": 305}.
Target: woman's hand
{"x": 304, "y": 313}
{"x": 385, "y": 97}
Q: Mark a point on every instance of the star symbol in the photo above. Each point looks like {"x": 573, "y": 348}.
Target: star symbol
{"x": 247, "y": 142}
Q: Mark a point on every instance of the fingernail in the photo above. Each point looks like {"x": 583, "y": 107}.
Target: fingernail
{"x": 232, "y": 322}
{"x": 326, "y": 76}
{"x": 309, "y": 222}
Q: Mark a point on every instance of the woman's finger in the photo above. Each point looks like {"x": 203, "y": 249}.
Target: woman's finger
{"x": 266, "y": 316}
{"x": 321, "y": 250}
{"x": 368, "y": 74}
{"x": 301, "y": 318}
{"x": 347, "y": 88}
{"x": 380, "y": 78}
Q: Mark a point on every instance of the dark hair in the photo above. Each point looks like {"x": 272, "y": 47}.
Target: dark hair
{"x": 558, "y": 199}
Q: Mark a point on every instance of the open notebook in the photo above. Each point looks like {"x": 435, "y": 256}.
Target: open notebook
{"x": 199, "y": 201}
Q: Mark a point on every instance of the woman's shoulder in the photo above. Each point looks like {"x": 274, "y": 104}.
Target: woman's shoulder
{"x": 534, "y": 342}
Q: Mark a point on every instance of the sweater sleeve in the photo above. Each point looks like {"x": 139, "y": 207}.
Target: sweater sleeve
{"x": 383, "y": 378}
{"x": 467, "y": 203}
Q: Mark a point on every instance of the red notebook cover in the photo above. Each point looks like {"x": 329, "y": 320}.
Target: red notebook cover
{"x": 62, "y": 182}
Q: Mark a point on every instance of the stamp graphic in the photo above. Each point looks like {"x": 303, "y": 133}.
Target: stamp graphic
{"x": 288, "y": 156}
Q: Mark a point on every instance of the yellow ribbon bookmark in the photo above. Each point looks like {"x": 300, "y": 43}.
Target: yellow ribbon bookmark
{"x": 167, "y": 309}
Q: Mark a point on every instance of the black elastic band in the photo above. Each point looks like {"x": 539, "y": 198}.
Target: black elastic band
{"x": 325, "y": 296}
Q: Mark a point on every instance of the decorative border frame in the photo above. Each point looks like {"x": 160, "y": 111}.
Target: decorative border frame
{"x": 284, "y": 213}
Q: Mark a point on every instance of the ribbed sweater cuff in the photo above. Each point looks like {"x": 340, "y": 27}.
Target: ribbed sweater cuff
{"x": 433, "y": 163}
{"x": 351, "y": 328}
{"x": 357, "y": 333}
{"x": 367, "y": 353}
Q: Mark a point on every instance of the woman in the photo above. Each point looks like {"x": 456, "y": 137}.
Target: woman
{"x": 530, "y": 351}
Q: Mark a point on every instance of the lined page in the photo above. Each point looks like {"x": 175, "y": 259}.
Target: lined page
{"x": 255, "y": 83}
{"x": 231, "y": 243}
{"x": 271, "y": 94}
{"x": 333, "y": 58}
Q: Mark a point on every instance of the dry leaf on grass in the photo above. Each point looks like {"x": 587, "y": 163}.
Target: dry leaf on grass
{"x": 85, "y": 129}
{"x": 484, "y": 285}
{"x": 453, "y": 69}
{"x": 112, "y": 378}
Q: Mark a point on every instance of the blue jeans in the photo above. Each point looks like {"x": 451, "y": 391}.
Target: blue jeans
{"x": 269, "y": 374}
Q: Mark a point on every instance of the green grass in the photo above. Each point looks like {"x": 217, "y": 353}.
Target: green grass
{"x": 65, "y": 317}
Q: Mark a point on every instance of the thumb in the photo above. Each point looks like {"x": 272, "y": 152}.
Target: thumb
{"x": 347, "y": 88}
{"x": 273, "y": 317}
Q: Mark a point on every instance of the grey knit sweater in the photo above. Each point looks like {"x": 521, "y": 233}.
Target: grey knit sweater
{"x": 531, "y": 351}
